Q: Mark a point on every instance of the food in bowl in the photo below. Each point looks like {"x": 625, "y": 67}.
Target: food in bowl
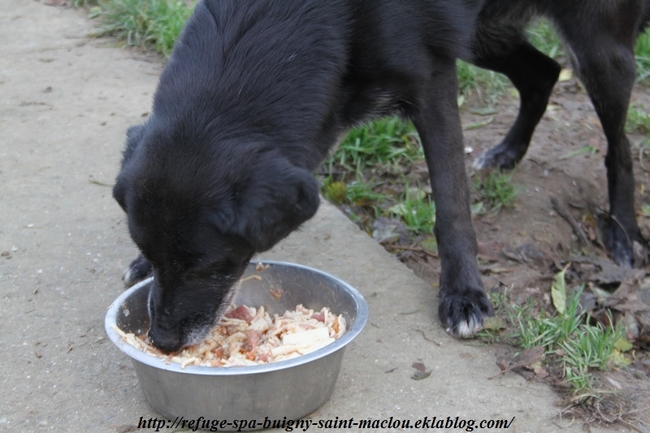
{"x": 250, "y": 336}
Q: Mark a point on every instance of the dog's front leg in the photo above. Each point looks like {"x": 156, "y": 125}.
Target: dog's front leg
{"x": 463, "y": 302}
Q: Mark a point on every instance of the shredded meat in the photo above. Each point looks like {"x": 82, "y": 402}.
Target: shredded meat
{"x": 250, "y": 336}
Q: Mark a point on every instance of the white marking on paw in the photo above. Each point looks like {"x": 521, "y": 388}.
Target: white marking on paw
{"x": 479, "y": 163}
{"x": 466, "y": 329}
{"x": 128, "y": 277}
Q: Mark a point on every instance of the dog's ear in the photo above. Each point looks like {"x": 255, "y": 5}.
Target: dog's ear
{"x": 133, "y": 138}
{"x": 276, "y": 201}
{"x": 119, "y": 193}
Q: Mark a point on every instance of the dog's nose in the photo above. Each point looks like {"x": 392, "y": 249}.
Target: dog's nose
{"x": 165, "y": 340}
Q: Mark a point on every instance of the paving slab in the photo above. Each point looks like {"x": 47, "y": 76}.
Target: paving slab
{"x": 66, "y": 100}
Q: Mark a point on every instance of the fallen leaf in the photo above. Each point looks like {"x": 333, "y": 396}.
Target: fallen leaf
{"x": 522, "y": 362}
{"x": 494, "y": 323}
{"x": 388, "y": 230}
{"x": 558, "y": 291}
{"x": 419, "y": 375}
{"x": 421, "y": 371}
{"x": 477, "y": 125}
{"x": 645, "y": 210}
{"x": 622, "y": 344}
{"x": 619, "y": 359}
{"x": 565, "y": 75}
{"x": 539, "y": 370}
{"x": 415, "y": 193}
{"x": 430, "y": 244}
{"x": 486, "y": 111}
{"x": 419, "y": 366}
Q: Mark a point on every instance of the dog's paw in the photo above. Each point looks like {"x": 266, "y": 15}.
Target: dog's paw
{"x": 462, "y": 313}
{"x": 626, "y": 256}
{"x": 627, "y": 247}
{"x": 503, "y": 157}
{"x": 138, "y": 270}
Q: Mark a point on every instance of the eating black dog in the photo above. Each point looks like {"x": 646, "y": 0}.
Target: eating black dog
{"x": 256, "y": 93}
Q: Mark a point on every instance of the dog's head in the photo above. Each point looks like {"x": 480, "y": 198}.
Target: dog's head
{"x": 198, "y": 211}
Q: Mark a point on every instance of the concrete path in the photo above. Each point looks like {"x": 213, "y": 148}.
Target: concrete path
{"x": 66, "y": 101}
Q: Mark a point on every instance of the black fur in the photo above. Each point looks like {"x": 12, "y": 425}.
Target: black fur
{"x": 600, "y": 35}
{"x": 257, "y": 92}
{"x": 254, "y": 96}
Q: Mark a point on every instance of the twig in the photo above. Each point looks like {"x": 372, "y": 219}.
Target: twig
{"x": 630, "y": 426}
{"x": 414, "y": 249}
{"x": 564, "y": 213}
{"x": 427, "y": 338}
{"x": 96, "y": 182}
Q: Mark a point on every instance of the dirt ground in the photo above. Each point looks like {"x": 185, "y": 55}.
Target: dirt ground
{"x": 521, "y": 248}
{"x": 66, "y": 100}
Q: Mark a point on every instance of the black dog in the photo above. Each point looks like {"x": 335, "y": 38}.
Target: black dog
{"x": 253, "y": 97}
{"x": 600, "y": 35}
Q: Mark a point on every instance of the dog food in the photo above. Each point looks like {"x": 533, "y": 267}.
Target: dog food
{"x": 250, "y": 336}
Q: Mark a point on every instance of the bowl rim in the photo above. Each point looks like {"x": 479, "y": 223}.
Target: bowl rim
{"x": 361, "y": 318}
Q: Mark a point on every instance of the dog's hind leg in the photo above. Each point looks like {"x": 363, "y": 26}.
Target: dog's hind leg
{"x": 604, "y": 58}
{"x": 533, "y": 74}
{"x": 462, "y": 299}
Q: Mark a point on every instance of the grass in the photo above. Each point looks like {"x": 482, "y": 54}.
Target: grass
{"x": 573, "y": 346}
{"x": 543, "y": 36}
{"x": 487, "y": 85}
{"x": 141, "y": 23}
{"x": 417, "y": 210}
{"x": 384, "y": 143}
{"x": 642, "y": 56}
{"x": 495, "y": 191}
{"x": 638, "y": 121}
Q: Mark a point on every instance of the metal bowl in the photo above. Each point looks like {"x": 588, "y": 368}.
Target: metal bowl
{"x": 257, "y": 394}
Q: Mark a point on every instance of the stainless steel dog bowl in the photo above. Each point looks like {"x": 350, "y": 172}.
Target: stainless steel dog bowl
{"x": 291, "y": 389}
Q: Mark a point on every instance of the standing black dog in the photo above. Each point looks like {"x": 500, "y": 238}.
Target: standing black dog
{"x": 254, "y": 96}
{"x": 257, "y": 92}
{"x": 600, "y": 35}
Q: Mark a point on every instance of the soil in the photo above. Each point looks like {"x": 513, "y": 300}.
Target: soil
{"x": 522, "y": 247}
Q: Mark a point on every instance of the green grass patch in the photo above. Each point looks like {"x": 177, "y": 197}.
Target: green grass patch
{"x": 488, "y": 85}
{"x": 573, "y": 343}
{"x": 642, "y": 56}
{"x": 573, "y": 347}
{"x": 142, "y": 23}
{"x": 356, "y": 192}
{"x": 494, "y": 190}
{"x": 378, "y": 144}
{"x": 417, "y": 210}
{"x": 638, "y": 121}
{"x": 543, "y": 36}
